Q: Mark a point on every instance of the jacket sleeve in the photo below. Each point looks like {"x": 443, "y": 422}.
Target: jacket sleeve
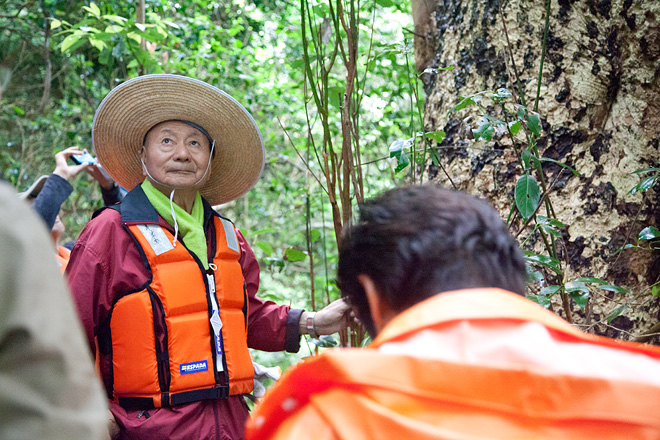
{"x": 270, "y": 327}
{"x": 49, "y": 200}
{"x": 103, "y": 263}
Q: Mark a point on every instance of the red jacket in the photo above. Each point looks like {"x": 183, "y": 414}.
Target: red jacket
{"x": 106, "y": 263}
{"x": 477, "y": 364}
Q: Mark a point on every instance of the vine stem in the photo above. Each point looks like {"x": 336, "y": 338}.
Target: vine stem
{"x": 545, "y": 39}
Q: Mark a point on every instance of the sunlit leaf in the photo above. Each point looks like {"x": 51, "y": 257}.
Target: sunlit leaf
{"x": 437, "y": 136}
{"x": 550, "y": 290}
{"x": 543, "y": 260}
{"x": 292, "y": 254}
{"x": 55, "y": 24}
{"x": 69, "y": 42}
{"x": 645, "y": 184}
{"x": 514, "y": 127}
{"x": 484, "y": 130}
{"x": 649, "y": 233}
{"x": 18, "y": 110}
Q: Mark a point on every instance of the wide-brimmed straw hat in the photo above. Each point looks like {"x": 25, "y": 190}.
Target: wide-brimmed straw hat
{"x": 132, "y": 108}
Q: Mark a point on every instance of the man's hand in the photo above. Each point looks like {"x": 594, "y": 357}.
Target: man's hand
{"x": 331, "y": 319}
{"x": 62, "y": 167}
{"x": 100, "y": 175}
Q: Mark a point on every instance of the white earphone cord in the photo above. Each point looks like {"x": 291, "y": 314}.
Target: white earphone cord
{"x": 176, "y": 224}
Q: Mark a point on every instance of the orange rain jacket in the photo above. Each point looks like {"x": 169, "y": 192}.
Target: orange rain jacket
{"x": 197, "y": 349}
{"x": 470, "y": 364}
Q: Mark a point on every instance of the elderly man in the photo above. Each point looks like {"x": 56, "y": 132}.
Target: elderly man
{"x": 165, "y": 285}
{"x": 458, "y": 351}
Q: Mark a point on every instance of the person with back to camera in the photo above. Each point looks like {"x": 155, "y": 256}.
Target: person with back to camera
{"x": 458, "y": 352}
{"x": 48, "y": 388}
{"x": 165, "y": 286}
{"x": 48, "y": 193}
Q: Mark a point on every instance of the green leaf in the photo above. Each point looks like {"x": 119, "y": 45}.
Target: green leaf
{"x": 116, "y": 18}
{"x": 514, "y": 127}
{"x": 268, "y": 249}
{"x": 655, "y": 290}
{"x": 550, "y": 290}
{"x": 385, "y": 3}
{"x": 526, "y": 156}
{"x": 437, "y": 136}
{"x": 612, "y": 288}
{"x": 18, "y": 110}
{"x": 55, "y": 24}
{"x": 399, "y": 145}
{"x": 325, "y": 341}
{"x": 484, "y": 130}
{"x": 591, "y": 280}
{"x": 547, "y": 159}
{"x": 534, "y": 123}
{"x": 402, "y": 162}
{"x": 576, "y": 286}
{"x": 98, "y": 44}
{"x": 466, "y": 101}
{"x": 500, "y": 95}
{"x": 292, "y": 254}
{"x": 540, "y": 299}
{"x": 533, "y": 276}
{"x": 645, "y": 184}
{"x": 618, "y": 311}
{"x": 580, "y": 298}
{"x": 527, "y": 195}
{"x": 314, "y": 235}
{"x": 543, "y": 260}
{"x": 93, "y": 9}
{"x": 649, "y": 233}
{"x": 646, "y": 170}
{"x": 68, "y": 42}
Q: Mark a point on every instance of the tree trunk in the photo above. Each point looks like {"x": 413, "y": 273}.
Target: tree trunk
{"x": 600, "y": 110}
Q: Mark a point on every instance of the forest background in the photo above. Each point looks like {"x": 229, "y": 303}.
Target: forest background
{"x": 340, "y": 102}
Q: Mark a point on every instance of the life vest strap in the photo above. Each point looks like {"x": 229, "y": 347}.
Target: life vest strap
{"x": 220, "y": 392}
{"x": 138, "y": 403}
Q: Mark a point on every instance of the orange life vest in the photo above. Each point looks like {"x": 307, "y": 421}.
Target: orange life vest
{"x": 63, "y": 255}
{"x": 366, "y": 394}
{"x": 183, "y": 336}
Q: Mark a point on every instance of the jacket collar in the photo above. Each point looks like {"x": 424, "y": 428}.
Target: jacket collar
{"x": 470, "y": 304}
{"x": 136, "y": 208}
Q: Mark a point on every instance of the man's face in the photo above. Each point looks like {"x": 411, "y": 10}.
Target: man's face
{"x": 176, "y": 155}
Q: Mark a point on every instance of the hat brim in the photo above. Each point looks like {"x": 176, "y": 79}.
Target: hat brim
{"x": 34, "y": 189}
{"x": 132, "y": 108}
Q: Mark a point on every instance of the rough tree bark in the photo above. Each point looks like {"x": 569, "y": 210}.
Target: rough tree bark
{"x": 600, "y": 109}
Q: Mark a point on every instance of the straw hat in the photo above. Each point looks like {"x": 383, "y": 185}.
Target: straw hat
{"x": 132, "y": 108}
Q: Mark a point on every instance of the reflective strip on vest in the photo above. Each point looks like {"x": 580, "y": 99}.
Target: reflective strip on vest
{"x": 185, "y": 334}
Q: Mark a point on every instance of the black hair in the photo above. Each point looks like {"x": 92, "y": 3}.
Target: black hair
{"x": 417, "y": 241}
